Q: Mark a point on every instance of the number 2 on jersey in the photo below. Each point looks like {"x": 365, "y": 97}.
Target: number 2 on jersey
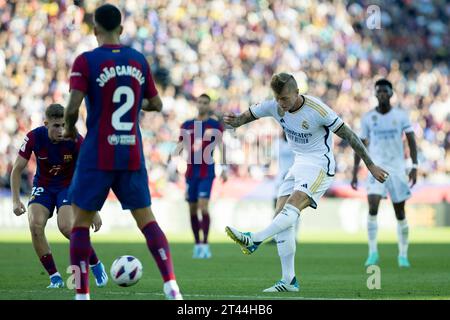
{"x": 124, "y": 108}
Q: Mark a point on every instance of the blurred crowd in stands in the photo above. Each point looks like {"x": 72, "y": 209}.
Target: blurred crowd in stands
{"x": 229, "y": 49}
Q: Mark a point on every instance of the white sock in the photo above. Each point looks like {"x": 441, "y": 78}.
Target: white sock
{"x": 285, "y": 219}
{"x": 286, "y": 250}
{"x": 297, "y": 229}
{"x": 372, "y": 229}
{"x": 171, "y": 285}
{"x": 82, "y": 296}
{"x": 402, "y": 233}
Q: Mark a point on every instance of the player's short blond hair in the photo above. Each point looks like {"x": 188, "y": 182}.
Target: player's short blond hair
{"x": 54, "y": 111}
{"x": 280, "y": 80}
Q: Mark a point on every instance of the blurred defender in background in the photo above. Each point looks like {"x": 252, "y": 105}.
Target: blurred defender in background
{"x": 56, "y": 159}
{"x": 382, "y": 131}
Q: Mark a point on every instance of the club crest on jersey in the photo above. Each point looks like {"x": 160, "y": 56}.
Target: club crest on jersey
{"x": 68, "y": 158}
{"x": 394, "y": 123}
{"x": 280, "y": 112}
{"x": 305, "y": 125}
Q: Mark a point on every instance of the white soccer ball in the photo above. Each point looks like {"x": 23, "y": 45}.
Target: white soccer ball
{"x": 126, "y": 271}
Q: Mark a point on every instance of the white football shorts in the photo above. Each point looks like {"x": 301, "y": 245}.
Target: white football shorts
{"x": 396, "y": 185}
{"x": 308, "y": 178}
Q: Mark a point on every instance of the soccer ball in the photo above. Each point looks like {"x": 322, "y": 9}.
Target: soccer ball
{"x": 126, "y": 271}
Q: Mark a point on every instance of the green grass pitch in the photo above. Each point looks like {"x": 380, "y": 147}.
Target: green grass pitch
{"x": 329, "y": 266}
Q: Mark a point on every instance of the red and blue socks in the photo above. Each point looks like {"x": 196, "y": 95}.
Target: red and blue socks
{"x": 159, "y": 248}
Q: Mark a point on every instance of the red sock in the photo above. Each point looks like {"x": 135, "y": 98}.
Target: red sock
{"x": 93, "y": 260}
{"x": 48, "y": 263}
{"x": 157, "y": 243}
{"x": 195, "y": 224}
{"x": 205, "y": 225}
{"x": 80, "y": 249}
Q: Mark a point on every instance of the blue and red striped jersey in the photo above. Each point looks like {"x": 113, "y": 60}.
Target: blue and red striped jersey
{"x": 200, "y": 137}
{"x": 55, "y": 161}
{"x": 115, "y": 79}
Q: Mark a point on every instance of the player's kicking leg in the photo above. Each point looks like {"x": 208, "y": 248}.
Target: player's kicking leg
{"x": 65, "y": 224}
{"x": 402, "y": 233}
{"x": 288, "y": 215}
{"x": 372, "y": 229}
{"x": 37, "y": 217}
{"x": 302, "y": 187}
{"x": 159, "y": 248}
{"x": 283, "y": 228}
{"x": 286, "y": 245}
{"x": 286, "y": 241}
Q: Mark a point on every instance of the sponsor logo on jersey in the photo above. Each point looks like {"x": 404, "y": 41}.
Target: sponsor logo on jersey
{"x": 297, "y": 137}
{"x": 305, "y": 125}
{"x": 122, "y": 139}
{"x": 55, "y": 169}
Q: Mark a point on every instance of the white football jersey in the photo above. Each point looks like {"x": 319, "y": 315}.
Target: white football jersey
{"x": 384, "y": 133}
{"x": 308, "y": 130}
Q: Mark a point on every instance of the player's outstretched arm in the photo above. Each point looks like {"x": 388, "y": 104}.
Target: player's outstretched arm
{"x": 238, "y": 120}
{"x": 18, "y": 167}
{"x": 413, "y": 153}
{"x": 357, "y": 160}
{"x": 355, "y": 142}
{"x": 71, "y": 113}
{"x": 152, "y": 104}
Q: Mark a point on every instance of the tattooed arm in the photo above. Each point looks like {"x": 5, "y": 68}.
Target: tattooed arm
{"x": 358, "y": 146}
{"x": 238, "y": 120}
{"x": 357, "y": 160}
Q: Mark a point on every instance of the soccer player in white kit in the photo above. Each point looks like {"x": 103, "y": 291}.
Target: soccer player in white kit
{"x": 308, "y": 124}
{"x": 382, "y": 131}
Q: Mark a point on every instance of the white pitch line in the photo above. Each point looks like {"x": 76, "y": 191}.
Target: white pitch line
{"x": 224, "y": 296}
